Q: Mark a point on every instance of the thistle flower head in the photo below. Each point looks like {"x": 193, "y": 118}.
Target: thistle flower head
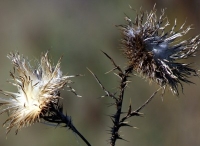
{"x": 37, "y": 90}
{"x": 155, "y": 53}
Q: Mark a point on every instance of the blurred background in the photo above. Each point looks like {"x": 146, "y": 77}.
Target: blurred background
{"x": 78, "y": 30}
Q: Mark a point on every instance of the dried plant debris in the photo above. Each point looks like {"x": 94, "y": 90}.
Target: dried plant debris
{"x": 37, "y": 91}
{"x": 155, "y": 53}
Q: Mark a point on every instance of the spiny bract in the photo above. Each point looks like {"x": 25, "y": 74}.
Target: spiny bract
{"x": 154, "y": 53}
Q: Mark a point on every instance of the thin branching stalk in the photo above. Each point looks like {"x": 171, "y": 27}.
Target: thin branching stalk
{"x": 136, "y": 112}
{"x": 119, "y": 121}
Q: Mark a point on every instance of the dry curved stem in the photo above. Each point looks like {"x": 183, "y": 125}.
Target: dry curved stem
{"x": 116, "y": 66}
{"x": 56, "y": 115}
{"x": 104, "y": 89}
{"x": 148, "y": 100}
{"x": 136, "y": 112}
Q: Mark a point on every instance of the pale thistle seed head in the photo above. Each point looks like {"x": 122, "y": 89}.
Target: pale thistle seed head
{"x": 37, "y": 90}
{"x": 153, "y": 52}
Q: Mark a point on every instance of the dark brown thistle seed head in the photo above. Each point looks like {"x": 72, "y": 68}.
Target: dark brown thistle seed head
{"x": 154, "y": 53}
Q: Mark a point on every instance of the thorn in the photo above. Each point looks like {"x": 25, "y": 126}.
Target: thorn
{"x": 129, "y": 109}
{"x": 135, "y": 127}
{"x": 124, "y": 124}
{"x": 118, "y": 75}
{"x": 111, "y": 70}
{"x": 117, "y": 67}
{"x": 119, "y": 137}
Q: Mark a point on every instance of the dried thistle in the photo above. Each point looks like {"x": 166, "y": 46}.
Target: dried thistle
{"x": 38, "y": 90}
{"x": 154, "y": 53}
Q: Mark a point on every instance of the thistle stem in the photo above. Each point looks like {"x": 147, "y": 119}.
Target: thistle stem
{"x": 58, "y": 117}
{"x": 114, "y": 132}
{"x": 68, "y": 122}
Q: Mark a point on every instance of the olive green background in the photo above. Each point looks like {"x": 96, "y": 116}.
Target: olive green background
{"x": 78, "y": 30}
